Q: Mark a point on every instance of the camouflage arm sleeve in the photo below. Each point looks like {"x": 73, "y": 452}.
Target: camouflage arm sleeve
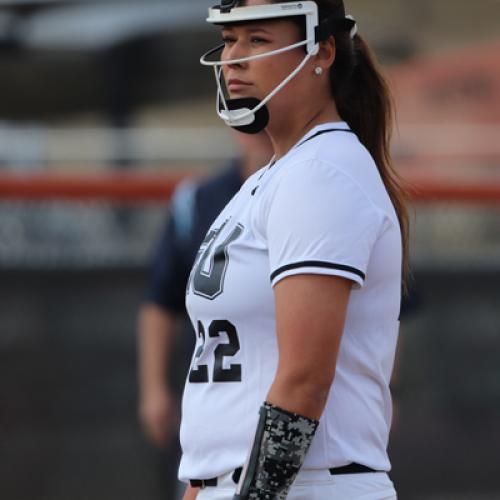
{"x": 279, "y": 449}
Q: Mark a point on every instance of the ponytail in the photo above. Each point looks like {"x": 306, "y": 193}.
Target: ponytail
{"x": 364, "y": 101}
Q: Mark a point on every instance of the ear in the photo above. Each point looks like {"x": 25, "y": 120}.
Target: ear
{"x": 326, "y": 54}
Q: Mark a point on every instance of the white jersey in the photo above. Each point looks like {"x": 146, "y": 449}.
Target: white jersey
{"x": 321, "y": 209}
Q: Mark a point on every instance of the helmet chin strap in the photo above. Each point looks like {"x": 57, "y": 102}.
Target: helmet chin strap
{"x": 253, "y": 120}
{"x": 249, "y": 114}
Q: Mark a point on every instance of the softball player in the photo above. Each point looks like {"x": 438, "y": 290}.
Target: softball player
{"x": 295, "y": 292}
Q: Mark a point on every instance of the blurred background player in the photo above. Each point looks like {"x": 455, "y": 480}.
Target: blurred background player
{"x": 164, "y": 355}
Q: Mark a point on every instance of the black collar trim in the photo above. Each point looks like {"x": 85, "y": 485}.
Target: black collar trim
{"x": 326, "y": 131}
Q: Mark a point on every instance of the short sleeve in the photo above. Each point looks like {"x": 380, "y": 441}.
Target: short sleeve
{"x": 320, "y": 222}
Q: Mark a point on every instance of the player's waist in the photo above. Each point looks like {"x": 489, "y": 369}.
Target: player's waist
{"x": 304, "y": 475}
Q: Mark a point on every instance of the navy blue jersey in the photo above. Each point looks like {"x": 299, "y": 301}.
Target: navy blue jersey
{"x": 193, "y": 208}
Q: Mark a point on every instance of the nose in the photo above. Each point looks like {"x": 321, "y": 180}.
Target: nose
{"x": 236, "y": 50}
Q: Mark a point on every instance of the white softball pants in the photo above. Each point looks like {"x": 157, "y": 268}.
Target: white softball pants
{"x": 318, "y": 485}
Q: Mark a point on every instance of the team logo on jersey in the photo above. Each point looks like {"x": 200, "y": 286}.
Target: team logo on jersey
{"x": 212, "y": 261}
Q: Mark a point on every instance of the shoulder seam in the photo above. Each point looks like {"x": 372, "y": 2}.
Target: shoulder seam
{"x": 345, "y": 174}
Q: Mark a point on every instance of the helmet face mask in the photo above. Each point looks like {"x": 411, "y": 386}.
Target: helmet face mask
{"x": 251, "y": 115}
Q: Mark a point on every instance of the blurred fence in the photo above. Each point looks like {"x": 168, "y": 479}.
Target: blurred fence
{"x": 72, "y": 256}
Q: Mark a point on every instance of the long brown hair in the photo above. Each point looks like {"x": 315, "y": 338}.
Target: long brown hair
{"x": 364, "y": 101}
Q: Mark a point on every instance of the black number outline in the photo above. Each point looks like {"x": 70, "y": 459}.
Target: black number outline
{"x": 223, "y": 350}
{"x": 199, "y": 373}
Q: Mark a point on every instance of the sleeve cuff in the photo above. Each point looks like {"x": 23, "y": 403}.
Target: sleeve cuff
{"x": 319, "y": 267}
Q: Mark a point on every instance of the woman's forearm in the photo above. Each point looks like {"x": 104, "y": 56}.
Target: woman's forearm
{"x": 310, "y": 316}
{"x": 190, "y": 493}
{"x": 155, "y": 340}
{"x": 304, "y": 397}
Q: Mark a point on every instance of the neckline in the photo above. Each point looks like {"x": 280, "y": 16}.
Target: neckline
{"x": 340, "y": 125}
{"x": 317, "y": 129}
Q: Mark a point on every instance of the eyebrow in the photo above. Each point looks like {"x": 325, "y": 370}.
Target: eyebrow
{"x": 250, "y": 29}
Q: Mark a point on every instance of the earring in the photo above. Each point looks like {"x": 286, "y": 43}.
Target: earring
{"x": 318, "y": 70}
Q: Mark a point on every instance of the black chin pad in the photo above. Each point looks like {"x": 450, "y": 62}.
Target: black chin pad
{"x": 261, "y": 116}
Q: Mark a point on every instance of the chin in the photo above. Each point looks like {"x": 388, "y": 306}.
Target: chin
{"x": 239, "y": 95}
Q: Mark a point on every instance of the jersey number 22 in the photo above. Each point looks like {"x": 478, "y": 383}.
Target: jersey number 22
{"x": 207, "y": 280}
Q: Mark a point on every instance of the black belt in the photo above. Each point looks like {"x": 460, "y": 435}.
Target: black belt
{"x": 351, "y": 469}
{"x": 203, "y": 483}
{"x": 345, "y": 469}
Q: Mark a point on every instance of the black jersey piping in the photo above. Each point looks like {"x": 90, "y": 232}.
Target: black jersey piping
{"x": 326, "y": 131}
{"x": 321, "y": 132}
{"x": 318, "y": 264}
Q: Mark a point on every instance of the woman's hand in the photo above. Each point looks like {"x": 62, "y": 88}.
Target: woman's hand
{"x": 159, "y": 415}
{"x": 190, "y": 493}
{"x": 158, "y": 407}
